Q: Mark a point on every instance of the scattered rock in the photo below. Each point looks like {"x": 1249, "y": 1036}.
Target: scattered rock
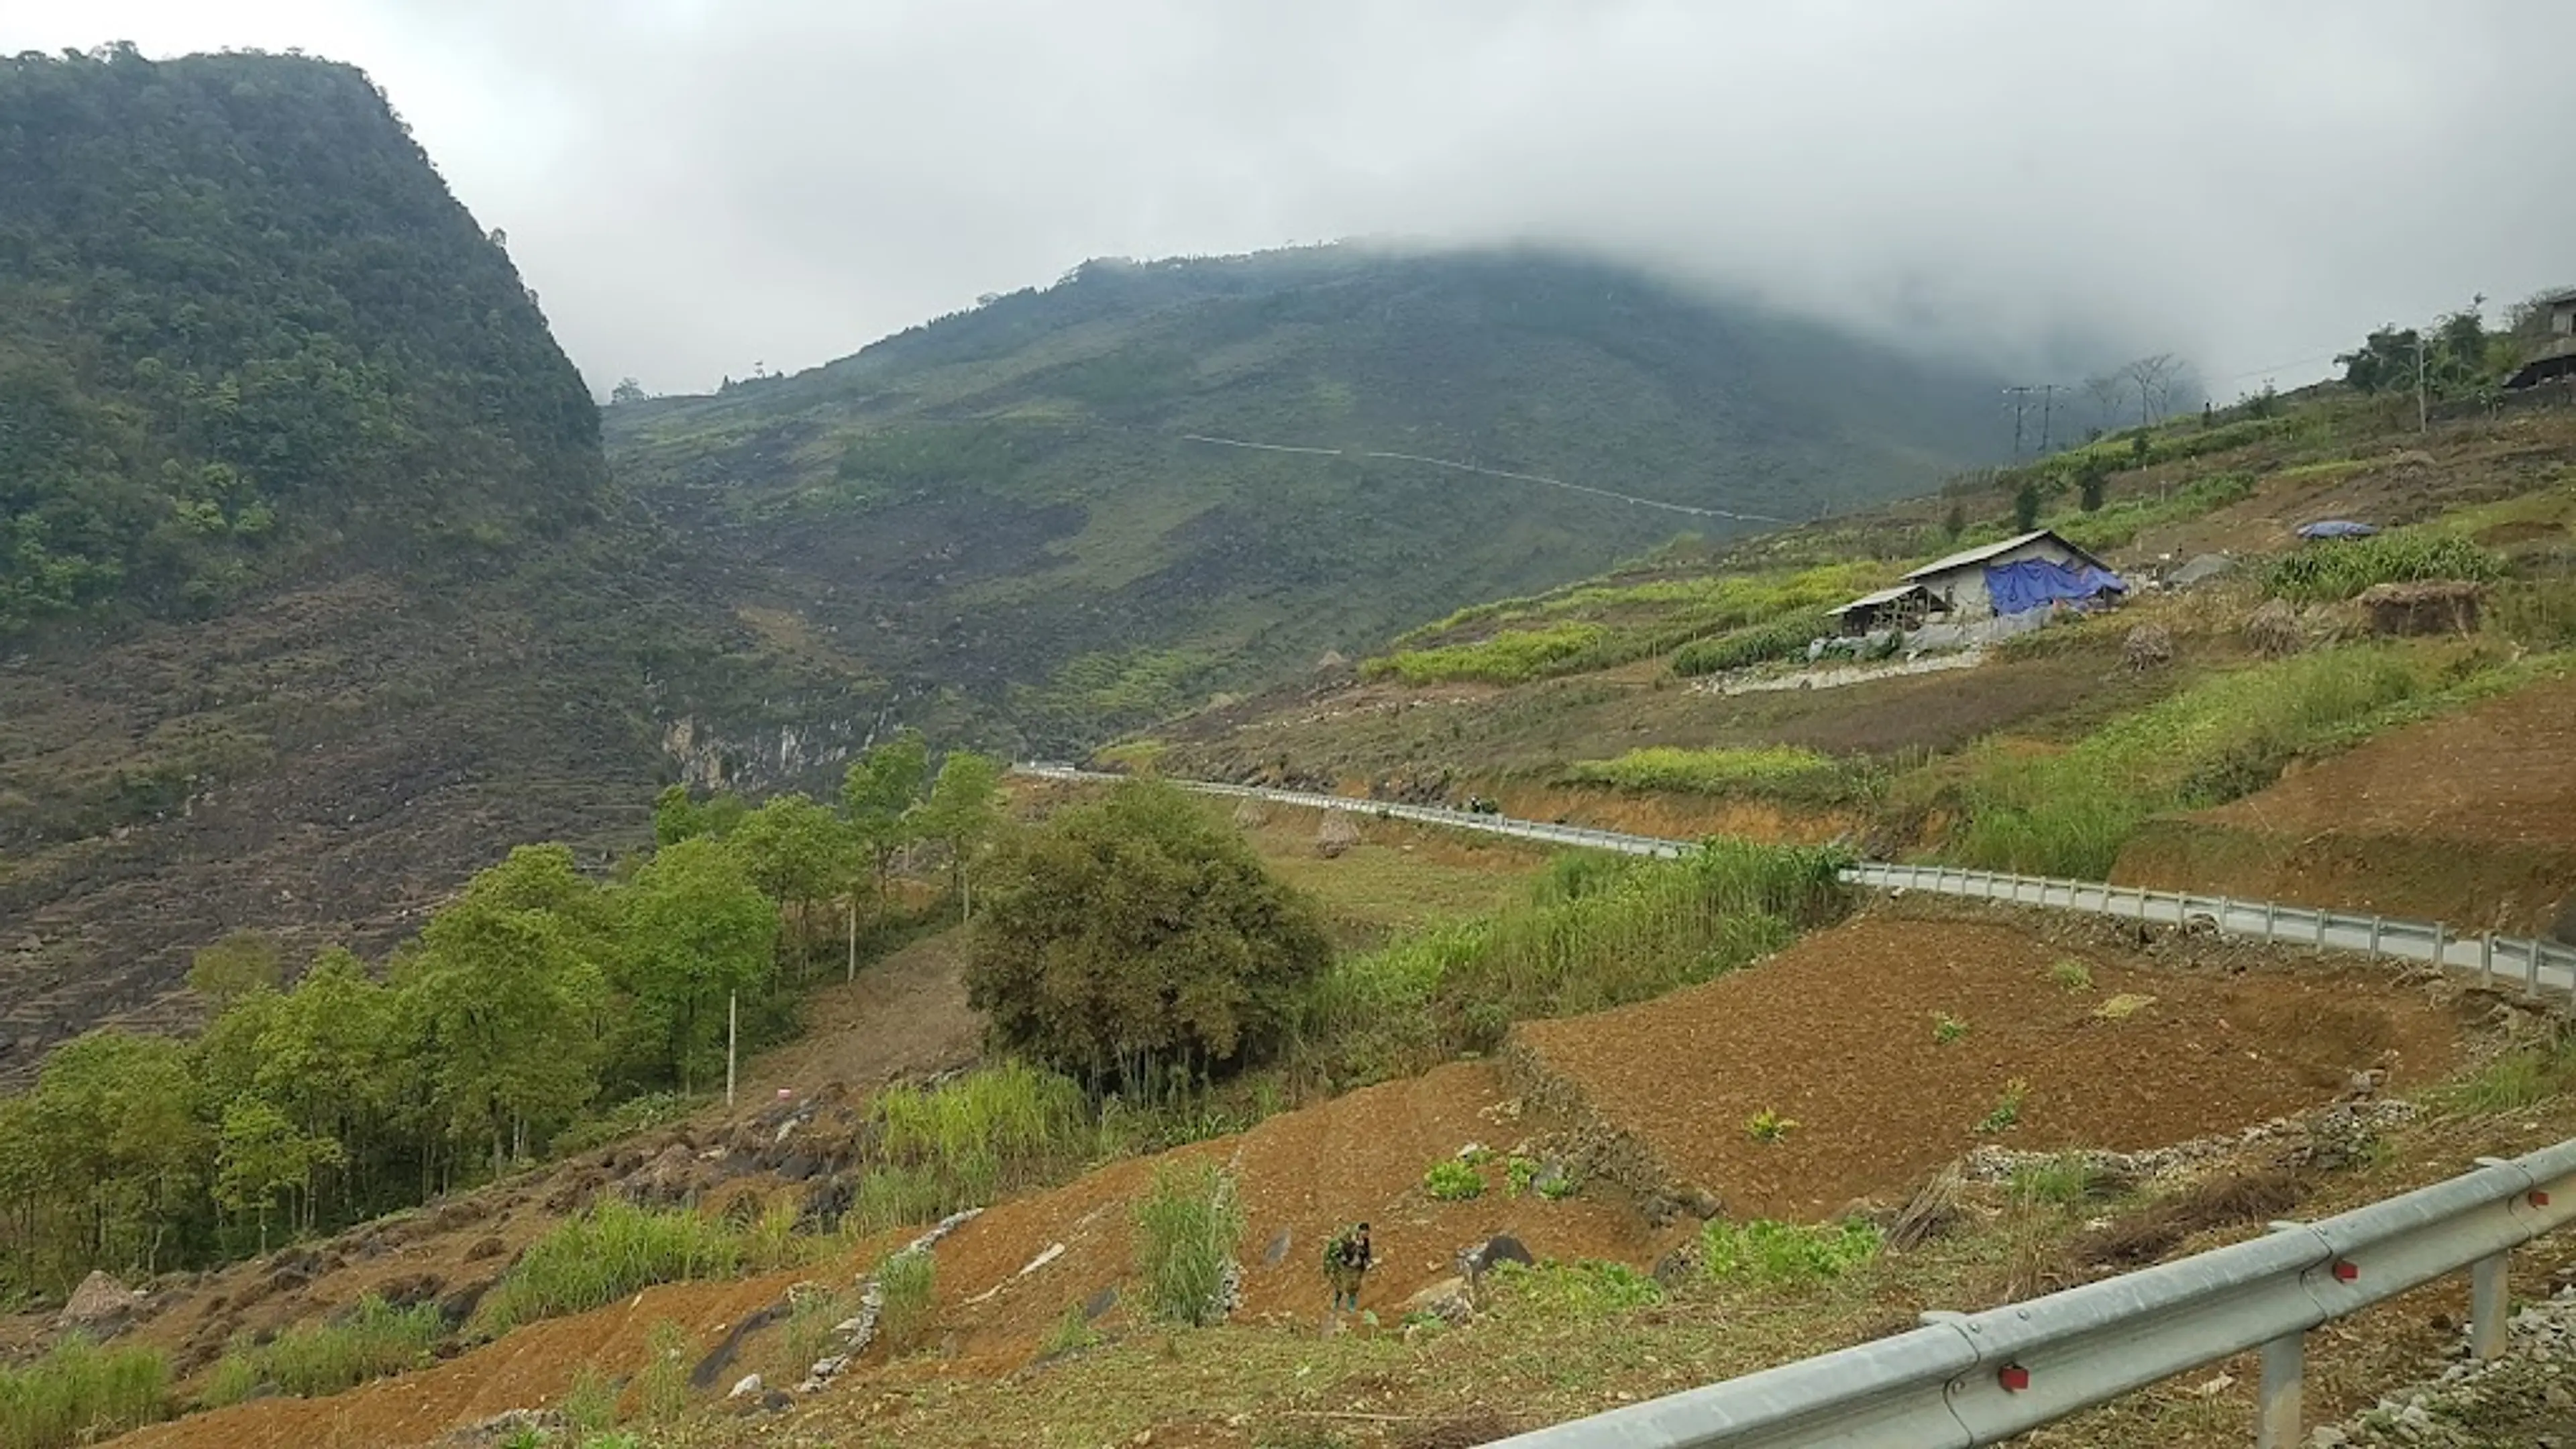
{"x": 1336, "y": 835}
{"x": 99, "y": 1301}
{"x": 745, "y": 1387}
{"x": 1448, "y": 1300}
{"x": 486, "y": 1247}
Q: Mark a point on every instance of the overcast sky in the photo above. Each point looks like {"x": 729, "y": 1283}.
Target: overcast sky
{"x": 696, "y": 186}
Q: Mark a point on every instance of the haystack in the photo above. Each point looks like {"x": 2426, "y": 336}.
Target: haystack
{"x": 1251, "y": 815}
{"x": 2274, "y": 630}
{"x": 2426, "y": 606}
{"x": 1336, "y": 834}
{"x": 2148, "y": 646}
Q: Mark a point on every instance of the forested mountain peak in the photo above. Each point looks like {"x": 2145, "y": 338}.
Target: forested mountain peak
{"x": 245, "y": 329}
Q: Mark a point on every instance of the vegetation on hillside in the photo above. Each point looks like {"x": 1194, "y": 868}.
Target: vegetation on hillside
{"x": 1136, "y": 937}
{"x": 244, "y": 329}
{"x": 1009, "y": 501}
{"x": 538, "y": 996}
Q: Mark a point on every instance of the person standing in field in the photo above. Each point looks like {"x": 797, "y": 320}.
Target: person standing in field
{"x": 1346, "y": 1263}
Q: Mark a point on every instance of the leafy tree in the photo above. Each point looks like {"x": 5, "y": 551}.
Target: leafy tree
{"x": 506, "y": 1001}
{"x": 2089, "y": 481}
{"x": 879, "y": 792}
{"x": 797, "y": 853}
{"x": 2384, "y": 361}
{"x": 628, "y": 390}
{"x": 234, "y": 966}
{"x": 2026, "y": 506}
{"x": 1955, "y": 522}
{"x": 695, "y": 932}
{"x": 262, "y": 1156}
{"x": 1134, "y": 934}
{"x": 329, "y": 1061}
{"x": 962, "y": 813}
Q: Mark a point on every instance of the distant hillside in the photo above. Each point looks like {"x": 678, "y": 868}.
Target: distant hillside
{"x": 244, "y": 327}
{"x": 1004, "y": 506}
{"x": 313, "y": 593}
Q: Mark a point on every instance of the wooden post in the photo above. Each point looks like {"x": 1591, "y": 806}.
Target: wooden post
{"x": 2279, "y": 1402}
{"x": 854, "y": 936}
{"x": 733, "y": 1033}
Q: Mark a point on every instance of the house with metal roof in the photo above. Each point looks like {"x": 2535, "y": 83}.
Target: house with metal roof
{"x": 2034, "y": 570}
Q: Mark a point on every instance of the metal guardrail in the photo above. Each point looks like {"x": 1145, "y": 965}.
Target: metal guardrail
{"x": 1981, "y": 1378}
{"x": 2538, "y": 966}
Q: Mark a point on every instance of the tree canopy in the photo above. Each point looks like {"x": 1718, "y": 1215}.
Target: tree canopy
{"x": 1136, "y": 935}
{"x": 244, "y": 328}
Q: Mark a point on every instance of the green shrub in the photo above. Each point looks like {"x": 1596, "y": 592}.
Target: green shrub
{"x": 2515, "y": 1080}
{"x": 2341, "y": 568}
{"x": 1785, "y": 638}
{"x": 605, "y": 1254}
{"x": 234, "y": 1378}
{"x": 1774, "y": 770}
{"x": 907, "y": 1285}
{"x": 1767, "y": 1252}
{"x": 373, "y": 1340}
{"x": 1186, "y": 1229}
{"x": 1947, "y": 1028}
{"x": 589, "y": 1407}
{"x": 1768, "y": 1126}
{"x": 2071, "y": 976}
{"x": 2117, "y": 525}
{"x": 1575, "y": 1290}
{"x": 662, "y": 1387}
{"x": 2058, "y": 1181}
{"x": 2069, "y": 814}
{"x": 966, "y": 1141}
{"x": 1599, "y": 931}
{"x": 1451, "y": 1180}
{"x": 1511, "y": 657}
{"x": 1071, "y": 1333}
{"x": 79, "y": 1392}
{"x": 2006, "y": 1113}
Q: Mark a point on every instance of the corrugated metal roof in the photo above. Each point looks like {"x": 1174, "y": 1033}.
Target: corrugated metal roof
{"x": 1981, "y": 553}
{"x": 1883, "y": 596}
{"x": 1978, "y": 555}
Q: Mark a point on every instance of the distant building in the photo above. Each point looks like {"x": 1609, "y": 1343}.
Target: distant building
{"x": 2557, "y": 356}
{"x": 2034, "y": 570}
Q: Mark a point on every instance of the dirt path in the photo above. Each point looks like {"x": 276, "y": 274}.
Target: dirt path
{"x": 905, "y": 1014}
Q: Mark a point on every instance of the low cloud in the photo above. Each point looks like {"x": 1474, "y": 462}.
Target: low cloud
{"x": 696, "y": 187}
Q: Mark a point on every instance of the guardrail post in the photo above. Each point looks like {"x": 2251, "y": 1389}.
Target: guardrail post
{"x": 2441, "y": 939}
{"x": 2322, "y": 913}
{"x": 2487, "y": 1307}
{"x": 2224, "y": 904}
{"x": 2271, "y": 919}
{"x": 2531, "y": 965}
{"x": 2281, "y": 1398}
{"x": 2375, "y": 923}
{"x": 2486, "y": 959}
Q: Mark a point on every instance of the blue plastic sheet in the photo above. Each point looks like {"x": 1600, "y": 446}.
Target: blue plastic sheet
{"x": 2036, "y": 583}
{"x": 2336, "y": 528}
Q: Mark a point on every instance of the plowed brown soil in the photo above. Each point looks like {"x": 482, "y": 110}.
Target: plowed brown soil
{"x": 1837, "y": 1034}
{"x": 2469, "y": 819}
{"x": 2503, "y": 773}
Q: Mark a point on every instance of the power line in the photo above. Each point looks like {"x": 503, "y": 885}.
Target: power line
{"x": 1456, "y": 466}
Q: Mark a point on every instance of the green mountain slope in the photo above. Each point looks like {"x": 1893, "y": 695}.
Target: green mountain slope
{"x": 244, "y": 327}
{"x": 1006, "y": 506}
{"x": 314, "y": 594}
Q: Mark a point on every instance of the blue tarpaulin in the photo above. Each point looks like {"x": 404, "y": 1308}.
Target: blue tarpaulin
{"x": 2336, "y": 528}
{"x": 2036, "y": 583}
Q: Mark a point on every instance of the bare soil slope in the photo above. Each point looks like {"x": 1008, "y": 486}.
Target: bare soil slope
{"x": 2469, "y": 819}
{"x": 1838, "y": 1035}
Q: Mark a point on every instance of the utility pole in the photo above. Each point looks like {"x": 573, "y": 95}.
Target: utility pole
{"x": 733, "y": 1025}
{"x": 2021, "y": 399}
{"x": 2047, "y": 406}
{"x": 2420, "y": 412}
